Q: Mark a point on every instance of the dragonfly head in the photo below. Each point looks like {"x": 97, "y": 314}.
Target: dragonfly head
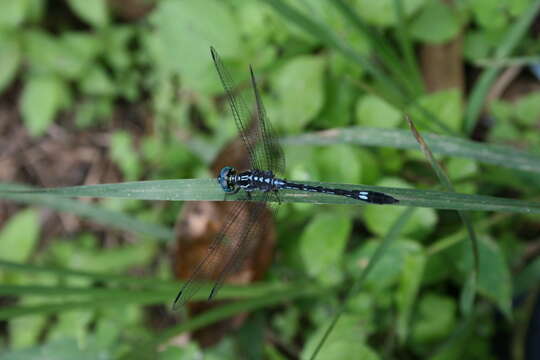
{"x": 225, "y": 178}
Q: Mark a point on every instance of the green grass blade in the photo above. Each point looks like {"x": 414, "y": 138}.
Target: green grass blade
{"x": 95, "y": 213}
{"x": 379, "y": 253}
{"x": 469, "y": 288}
{"x": 482, "y": 86}
{"x": 107, "y": 278}
{"x": 503, "y": 156}
{"x": 407, "y": 50}
{"x": 382, "y": 48}
{"x": 208, "y": 189}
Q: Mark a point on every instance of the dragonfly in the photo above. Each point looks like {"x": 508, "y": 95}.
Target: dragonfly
{"x": 266, "y": 160}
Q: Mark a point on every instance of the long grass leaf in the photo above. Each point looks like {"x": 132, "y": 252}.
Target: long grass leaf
{"x": 97, "y": 214}
{"x": 503, "y": 156}
{"x": 379, "y": 253}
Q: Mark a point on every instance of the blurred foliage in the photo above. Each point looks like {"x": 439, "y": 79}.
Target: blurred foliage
{"x": 313, "y": 59}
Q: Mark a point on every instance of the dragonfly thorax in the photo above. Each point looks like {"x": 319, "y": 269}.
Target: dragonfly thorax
{"x": 231, "y": 181}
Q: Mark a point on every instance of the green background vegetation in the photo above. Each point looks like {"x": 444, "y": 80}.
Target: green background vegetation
{"x": 439, "y": 284}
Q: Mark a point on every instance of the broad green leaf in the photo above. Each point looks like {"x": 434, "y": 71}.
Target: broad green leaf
{"x": 19, "y": 236}
{"x": 528, "y": 109}
{"x": 42, "y": 98}
{"x": 124, "y": 155}
{"x": 374, "y": 112}
{"x": 71, "y": 324}
{"x": 494, "y": 279}
{"x": 185, "y": 30}
{"x": 459, "y": 168}
{"x": 117, "y": 41}
{"x": 347, "y": 170}
{"x": 302, "y": 75}
{"x": 345, "y": 342}
{"x": 435, "y": 320}
{"x": 12, "y": 13}
{"x": 379, "y": 219}
{"x": 50, "y": 55}
{"x": 447, "y": 104}
{"x": 490, "y": 14}
{"x": 85, "y": 46}
{"x": 94, "y": 12}
{"x": 25, "y": 332}
{"x": 437, "y": 23}
{"x": 383, "y": 12}
{"x": 322, "y": 244}
{"x": 95, "y": 81}
{"x": 409, "y": 286}
{"x": 10, "y": 59}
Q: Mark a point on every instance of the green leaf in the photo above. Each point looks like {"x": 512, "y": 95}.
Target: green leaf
{"x": 436, "y": 318}
{"x": 10, "y": 59}
{"x": 494, "y": 279}
{"x": 94, "y": 12}
{"x": 490, "y": 14}
{"x": 42, "y": 98}
{"x": 437, "y": 23}
{"x": 50, "y": 55}
{"x": 12, "y": 13}
{"x": 347, "y": 170}
{"x": 461, "y": 168}
{"x": 383, "y": 12}
{"x": 447, "y": 104}
{"x": 528, "y": 109}
{"x": 322, "y": 244}
{"x": 302, "y": 75}
{"x": 379, "y": 219}
{"x": 409, "y": 286}
{"x": 124, "y": 155}
{"x": 185, "y": 30}
{"x": 375, "y": 112}
{"x": 25, "y": 332}
{"x": 96, "y": 82}
{"x": 19, "y": 236}
{"x": 345, "y": 342}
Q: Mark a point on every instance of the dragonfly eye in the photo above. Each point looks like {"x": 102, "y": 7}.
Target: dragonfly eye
{"x": 225, "y": 178}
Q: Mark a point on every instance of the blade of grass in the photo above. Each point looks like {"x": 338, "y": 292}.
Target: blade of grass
{"x": 379, "y": 252}
{"x": 95, "y": 213}
{"x": 380, "y": 46}
{"x": 469, "y": 289}
{"x": 244, "y": 306}
{"x": 507, "y": 45}
{"x": 329, "y": 38}
{"x": 407, "y": 50}
{"x": 107, "y": 278}
{"x": 208, "y": 189}
{"x": 503, "y": 156}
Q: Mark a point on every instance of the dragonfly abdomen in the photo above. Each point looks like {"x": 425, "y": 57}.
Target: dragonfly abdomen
{"x": 367, "y": 196}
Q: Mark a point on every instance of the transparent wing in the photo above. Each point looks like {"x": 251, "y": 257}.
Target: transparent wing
{"x": 272, "y": 157}
{"x": 239, "y": 109}
{"x": 211, "y": 262}
{"x": 227, "y": 244}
